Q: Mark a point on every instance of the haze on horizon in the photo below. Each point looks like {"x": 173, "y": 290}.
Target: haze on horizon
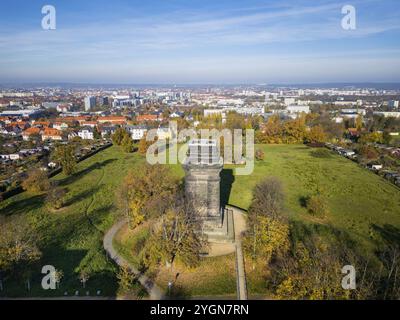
{"x": 179, "y": 41}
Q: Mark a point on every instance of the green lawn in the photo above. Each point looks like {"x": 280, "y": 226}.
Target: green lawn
{"x": 361, "y": 206}
{"x": 360, "y": 202}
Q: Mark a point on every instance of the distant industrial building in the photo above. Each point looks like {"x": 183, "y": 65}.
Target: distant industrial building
{"x": 23, "y": 113}
{"x": 392, "y": 114}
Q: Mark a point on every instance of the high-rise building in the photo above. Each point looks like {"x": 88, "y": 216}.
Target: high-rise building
{"x": 393, "y": 103}
{"x": 90, "y": 102}
{"x": 103, "y": 101}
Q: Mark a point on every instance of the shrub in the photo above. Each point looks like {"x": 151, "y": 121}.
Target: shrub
{"x": 317, "y": 205}
{"x": 321, "y": 153}
{"x": 55, "y": 197}
{"x": 268, "y": 198}
{"x": 37, "y": 181}
{"x": 260, "y": 155}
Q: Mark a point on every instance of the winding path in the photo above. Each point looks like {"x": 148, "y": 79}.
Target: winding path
{"x": 155, "y": 292}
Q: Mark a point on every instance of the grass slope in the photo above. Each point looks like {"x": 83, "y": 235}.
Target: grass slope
{"x": 71, "y": 238}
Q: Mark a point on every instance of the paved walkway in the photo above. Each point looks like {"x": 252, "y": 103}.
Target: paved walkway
{"x": 220, "y": 249}
{"x": 240, "y": 227}
{"x": 155, "y": 292}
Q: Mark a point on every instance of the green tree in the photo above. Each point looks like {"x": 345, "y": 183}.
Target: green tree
{"x": 127, "y": 144}
{"x": 65, "y": 156}
{"x": 96, "y": 133}
{"x": 118, "y": 136}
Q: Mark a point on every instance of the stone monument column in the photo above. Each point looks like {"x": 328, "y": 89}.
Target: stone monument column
{"x": 202, "y": 182}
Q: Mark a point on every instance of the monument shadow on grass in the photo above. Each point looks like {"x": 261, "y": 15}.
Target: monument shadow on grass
{"x": 227, "y": 179}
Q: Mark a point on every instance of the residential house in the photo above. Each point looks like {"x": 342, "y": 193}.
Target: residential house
{"x": 137, "y": 132}
{"x": 26, "y": 134}
{"x": 112, "y": 119}
{"x": 60, "y": 125}
{"x": 147, "y": 118}
{"x": 86, "y": 133}
{"x": 107, "y": 131}
{"x": 91, "y": 124}
{"x": 51, "y": 134}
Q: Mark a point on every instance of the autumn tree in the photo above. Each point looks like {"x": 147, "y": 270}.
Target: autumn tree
{"x": 175, "y": 237}
{"x": 271, "y": 132}
{"x": 373, "y": 137}
{"x": 316, "y": 134}
{"x": 359, "y": 123}
{"x": 37, "y": 181}
{"x": 294, "y": 131}
{"x": 313, "y": 272}
{"x": 368, "y": 152}
{"x": 18, "y": 246}
{"x": 268, "y": 198}
{"x": 65, "y": 156}
{"x": 126, "y": 279}
{"x": 144, "y": 145}
{"x": 268, "y": 231}
{"x": 146, "y": 192}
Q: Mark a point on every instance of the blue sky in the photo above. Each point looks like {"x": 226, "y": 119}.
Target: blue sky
{"x": 191, "y": 41}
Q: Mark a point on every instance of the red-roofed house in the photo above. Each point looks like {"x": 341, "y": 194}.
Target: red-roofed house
{"x": 112, "y": 119}
{"x": 51, "y": 134}
{"x": 26, "y": 134}
{"x": 147, "y": 117}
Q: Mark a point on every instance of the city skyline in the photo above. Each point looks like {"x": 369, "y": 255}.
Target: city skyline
{"x": 200, "y": 42}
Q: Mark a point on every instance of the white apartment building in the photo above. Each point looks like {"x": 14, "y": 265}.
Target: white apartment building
{"x": 137, "y": 132}
{"x": 85, "y": 134}
{"x": 294, "y": 109}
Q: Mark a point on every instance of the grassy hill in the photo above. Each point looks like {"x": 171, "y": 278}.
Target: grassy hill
{"x": 361, "y": 205}
{"x": 360, "y": 202}
{"x": 71, "y": 238}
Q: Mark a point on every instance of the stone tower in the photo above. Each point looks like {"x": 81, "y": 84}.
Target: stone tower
{"x": 202, "y": 166}
{"x": 202, "y": 183}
